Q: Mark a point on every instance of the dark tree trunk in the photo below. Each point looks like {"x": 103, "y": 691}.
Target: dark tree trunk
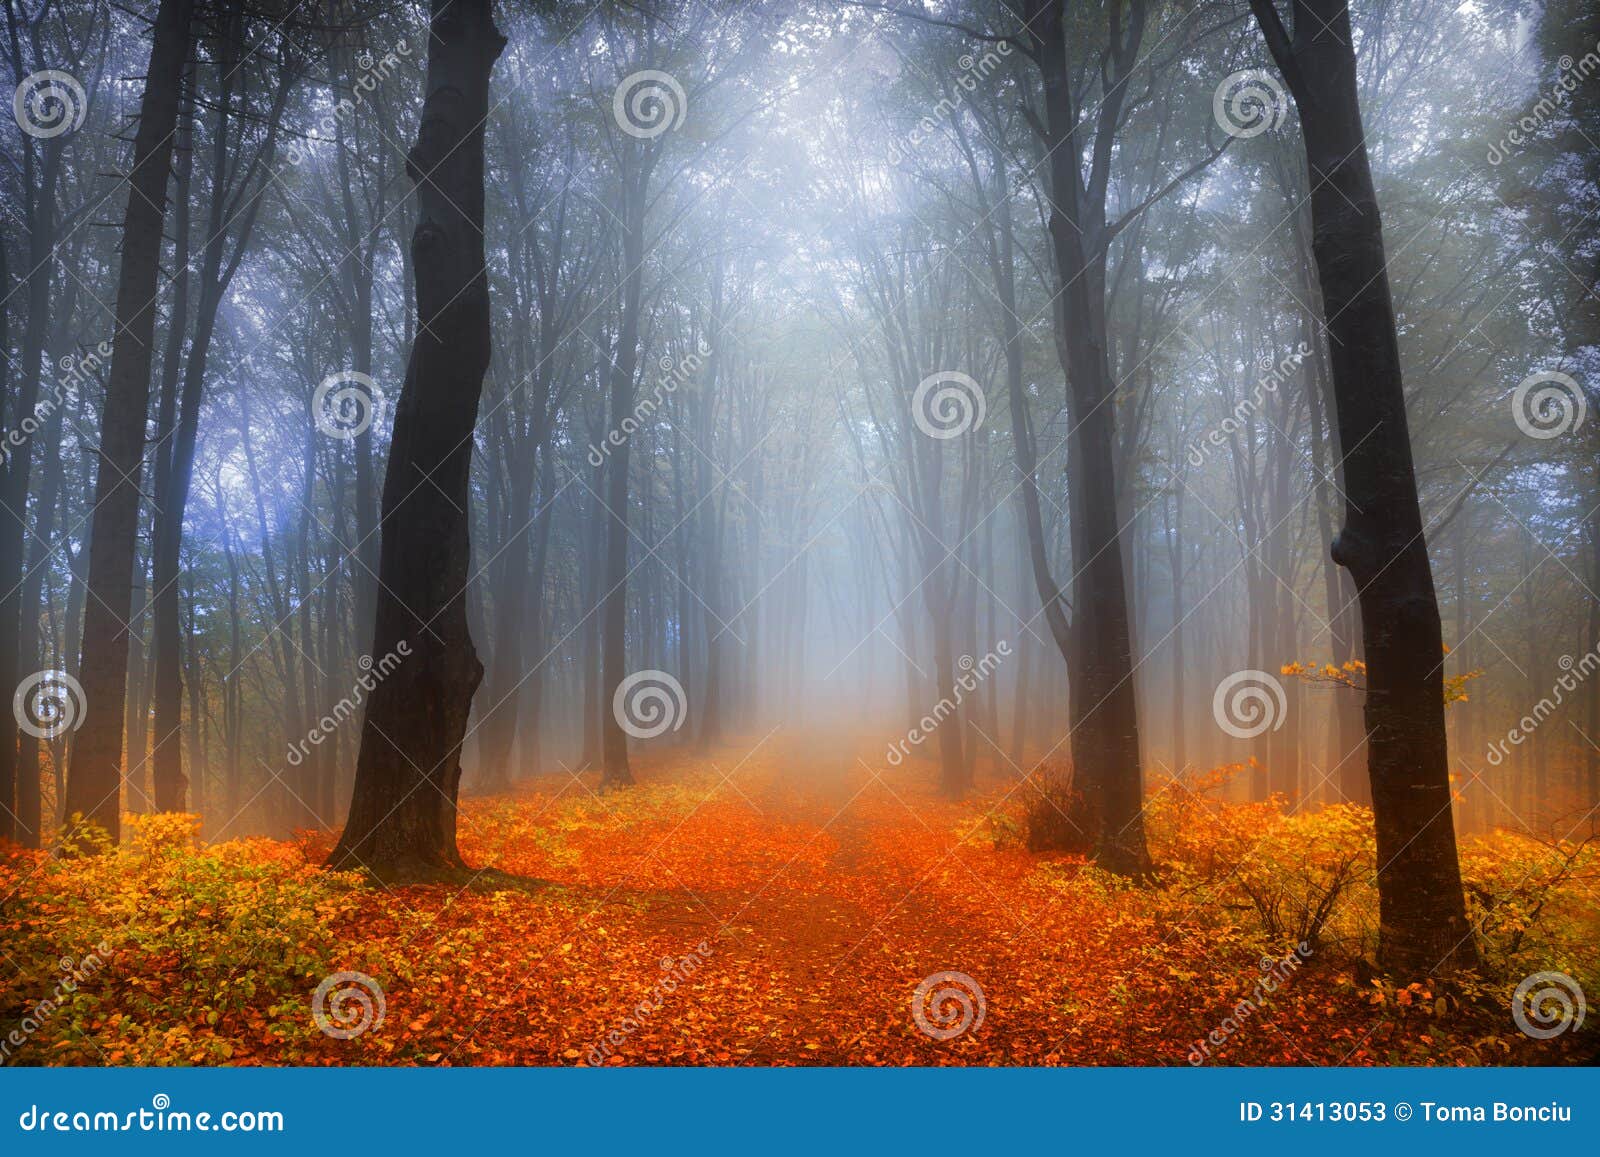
{"x": 500, "y": 715}
{"x": 403, "y": 809}
{"x": 30, "y": 817}
{"x": 168, "y": 773}
{"x": 94, "y": 780}
{"x": 591, "y": 561}
{"x": 1346, "y": 766}
{"x": 1107, "y": 775}
{"x": 42, "y": 224}
{"x": 175, "y": 462}
{"x": 614, "y": 579}
{"x": 1422, "y": 914}
{"x": 8, "y": 765}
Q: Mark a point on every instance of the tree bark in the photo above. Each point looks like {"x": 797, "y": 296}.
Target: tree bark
{"x": 1107, "y": 775}
{"x": 175, "y": 462}
{"x": 94, "y": 780}
{"x": 1422, "y": 913}
{"x": 614, "y": 614}
{"x": 403, "y": 809}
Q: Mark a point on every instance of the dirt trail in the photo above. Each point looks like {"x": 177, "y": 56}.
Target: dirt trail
{"x": 821, "y": 949}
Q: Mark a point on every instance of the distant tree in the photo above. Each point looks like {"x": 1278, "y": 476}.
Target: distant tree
{"x": 94, "y": 779}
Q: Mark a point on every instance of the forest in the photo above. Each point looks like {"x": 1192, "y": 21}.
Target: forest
{"x": 800, "y": 532}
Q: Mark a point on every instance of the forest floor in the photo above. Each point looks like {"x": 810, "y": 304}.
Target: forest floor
{"x": 774, "y": 903}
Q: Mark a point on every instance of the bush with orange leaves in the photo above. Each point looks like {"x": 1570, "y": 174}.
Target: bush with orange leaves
{"x": 1303, "y": 877}
{"x": 1311, "y": 875}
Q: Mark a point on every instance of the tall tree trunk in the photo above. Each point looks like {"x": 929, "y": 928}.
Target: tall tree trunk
{"x": 591, "y": 562}
{"x": 175, "y": 470}
{"x": 1422, "y": 912}
{"x": 168, "y": 775}
{"x": 9, "y": 780}
{"x": 500, "y": 715}
{"x": 136, "y": 724}
{"x": 94, "y": 780}
{"x": 41, "y": 217}
{"x": 1105, "y": 727}
{"x": 614, "y": 581}
{"x": 538, "y": 617}
{"x": 403, "y": 808}
{"x": 287, "y": 659}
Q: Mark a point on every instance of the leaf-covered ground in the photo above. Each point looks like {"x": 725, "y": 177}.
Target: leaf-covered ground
{"x": 776, "y": 903}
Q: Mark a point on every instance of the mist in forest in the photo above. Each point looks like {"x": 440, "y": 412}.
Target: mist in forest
{"x": 812, "y": 400}
{"x": 844, "y": 532}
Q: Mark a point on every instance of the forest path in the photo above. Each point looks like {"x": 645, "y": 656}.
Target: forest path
{"x": 781, "y": 900}
{"x": 865, "y": 896}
